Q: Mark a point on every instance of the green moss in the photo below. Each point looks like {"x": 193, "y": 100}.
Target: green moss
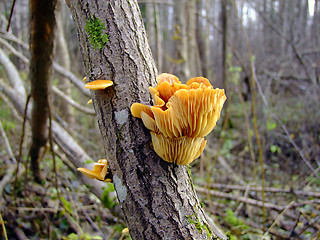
{"x": 199, "y": 226}
{"x": 94, "y": 27}
{"x": 119, "y": 132}
{"x": 108, "y": 201}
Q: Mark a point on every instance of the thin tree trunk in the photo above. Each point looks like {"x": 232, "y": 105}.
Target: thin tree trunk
{"x": 193, "y": 62}
{"x": 157, "y": 198}
{"x": 150, "y": 24}
{"x": 203, "y": 36}
{"x": 41, "y": 46}
{"x": 62, "y": 57}
{"x": 181, "y": 38}
{"x": 159, "y": 37}
{"x": 224, "y": 23}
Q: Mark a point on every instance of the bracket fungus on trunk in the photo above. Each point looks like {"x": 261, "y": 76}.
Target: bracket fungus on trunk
{"x": 182, "y": 115}
{"x": 100, "y": 169}
{"x": 98, "y": 84}
{"x": 99, "y": 172}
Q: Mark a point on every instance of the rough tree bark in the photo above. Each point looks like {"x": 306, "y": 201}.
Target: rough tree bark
{"x": 42, "y": 24}
{"x": 157, "y": 198}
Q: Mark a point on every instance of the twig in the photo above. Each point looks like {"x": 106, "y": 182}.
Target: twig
{"x": 73, "y": 78}
{"x": 47, "y": 209}
{"x": 59, "y": 69}
{"x": 278, "y": 218}
{"x": 72, "y": 102}
{"x": 240, "y": 199}
{"x": 14, "y": 51}
{"x": 7, "y": 144}
{"x": 11, "y": 13}
{"x": 8, "y": 176}
{"x": 3, "y": 227}
{"x": 11, "y": 37}
{"x": 92, "y": 223}
{"x": 226, "y": 166}
{"x": 21, "y": 145}
{"x": 308, "y": 225}
{"x": 255, "y": 125}
{"x": 294, "y": 227}
{"x": 246, "y": 193}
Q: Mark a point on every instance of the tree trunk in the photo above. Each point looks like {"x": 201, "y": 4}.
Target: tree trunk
{"x": 159, "y": 37}
{"x": 150, "y": 24}
{"x": 181, "y": 40}
{"x": 63, "y": 59}
{"x": 194, "y": 62}
{"x": 41, "y": 46}
{"x": 224, "y": 25}
{"x": 203, "y": 36}
{"x": 157, "y": 198}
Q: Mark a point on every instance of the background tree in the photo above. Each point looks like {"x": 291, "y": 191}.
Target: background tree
{"x": 41, "y": 47}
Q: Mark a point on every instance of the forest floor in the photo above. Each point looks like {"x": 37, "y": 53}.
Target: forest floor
{"x": 227, "y": 176}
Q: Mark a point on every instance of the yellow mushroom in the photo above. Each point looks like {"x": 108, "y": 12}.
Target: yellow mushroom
{"x": 99, "y": 172}
{"x": 125, "y": 230}
{"x": 98, "y": 84}
{"x": 182, "y": 115}
{"x": 182, "y": 150}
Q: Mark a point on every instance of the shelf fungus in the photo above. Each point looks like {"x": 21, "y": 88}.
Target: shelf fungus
{"x": 182, "y": 115}
{"x": 99, "y": 172}
{"x": 98, "y": 84}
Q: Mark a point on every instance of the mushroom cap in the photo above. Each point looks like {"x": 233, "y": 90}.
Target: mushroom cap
{"x": 98, "y": 84}
{"x": 99, "y": 172}
{"x": 182, "y": 150}
{"x": 144, "y": 112}
{"x": 192, "y": 112}
{"x": 168, "y": 84}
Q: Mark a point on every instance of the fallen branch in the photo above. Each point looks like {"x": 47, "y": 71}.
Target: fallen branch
{"x": 59, "y": 69}
{"x": 62, "y": 138}
{"x": 240, "y": 199}
{"x": 72, "y": 102}
{"x": 267, "y": 189}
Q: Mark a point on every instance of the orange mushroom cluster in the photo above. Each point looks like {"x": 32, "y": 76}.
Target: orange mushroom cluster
{"x": 182, "y": 115}
{"x": 99, "y": 172}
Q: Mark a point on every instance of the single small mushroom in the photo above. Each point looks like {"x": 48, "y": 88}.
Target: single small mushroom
{"x": 182, "y": 115}
{"x": 90, "y": 101}
{"x": 125, "y": 231}
{"x": 99, "y": 172}
{"x": 98, "y": 84}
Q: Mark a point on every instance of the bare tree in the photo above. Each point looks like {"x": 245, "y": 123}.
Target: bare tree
{"x": 181, "y": 38}
{"x": 41, "y": 46}
{"x": 63, "y": 58}
{"x": 157, "y": 198}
